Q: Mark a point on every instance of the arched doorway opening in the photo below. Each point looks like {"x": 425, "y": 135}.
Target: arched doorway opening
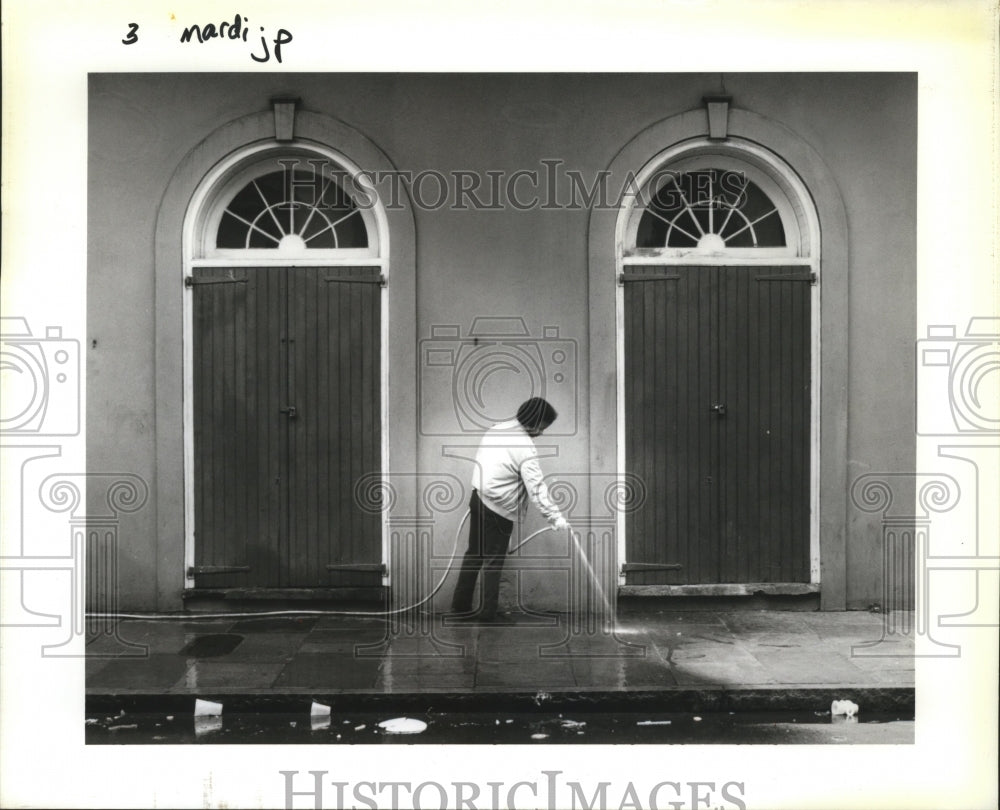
{"x": 718, "y": 301}
{"x": 285, "y": 319}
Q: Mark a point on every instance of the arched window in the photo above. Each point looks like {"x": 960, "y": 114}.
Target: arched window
{"x": 709, "y": 208}
{"x": 710, "y": 205}
{"x": 290, "y": 205}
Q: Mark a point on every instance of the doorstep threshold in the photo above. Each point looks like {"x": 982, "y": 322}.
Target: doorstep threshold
{"x": 369, "y": 594}
{"x": 723, "y": 589}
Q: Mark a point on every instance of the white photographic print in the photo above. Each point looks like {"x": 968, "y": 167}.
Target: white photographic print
{"x": 618, "y": 382}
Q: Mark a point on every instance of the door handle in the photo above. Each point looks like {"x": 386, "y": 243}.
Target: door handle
{"x": 719, "y": 409}
{"x": 290, "y": 410}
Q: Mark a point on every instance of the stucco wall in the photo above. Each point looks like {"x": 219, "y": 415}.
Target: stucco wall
{"x": 532, "y": 264}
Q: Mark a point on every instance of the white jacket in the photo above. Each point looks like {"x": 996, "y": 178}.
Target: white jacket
{"x": 507, "y": 473}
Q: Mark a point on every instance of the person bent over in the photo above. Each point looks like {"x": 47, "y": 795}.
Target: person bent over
{"x": 506, "y": 476}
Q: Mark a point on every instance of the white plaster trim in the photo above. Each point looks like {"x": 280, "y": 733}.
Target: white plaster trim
{"x": 341, "y": 261}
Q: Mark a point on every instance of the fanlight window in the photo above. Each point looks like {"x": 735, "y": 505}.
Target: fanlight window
{"x": 292, "y": 209}
{"x": 708, "y": 210}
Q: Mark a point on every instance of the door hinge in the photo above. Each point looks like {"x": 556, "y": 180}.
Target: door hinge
{"x": 810, "y": 277}
{"x": 380, "y": 280}
{"x": 191, "y": 281}
{"x": 363, "y": 568}
{"x": 629, "y": 278}
{"x": 202, "y": 570}
{"x": 634, "y": 567}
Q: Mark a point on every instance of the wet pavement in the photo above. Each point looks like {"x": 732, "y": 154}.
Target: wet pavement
{"x": 649, "y": 649}
{"x": 655, "y": 676}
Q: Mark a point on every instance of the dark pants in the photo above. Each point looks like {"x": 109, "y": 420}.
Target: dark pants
{"x": 489, "y": 536}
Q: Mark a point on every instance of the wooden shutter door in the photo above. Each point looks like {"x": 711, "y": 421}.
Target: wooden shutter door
{"x": 335, "y": 385}
{"x": 286, "y": 419}
{"x": 240, "y": 501}
{"x": 717, "y": 410}
{"x": 765, "y": 365}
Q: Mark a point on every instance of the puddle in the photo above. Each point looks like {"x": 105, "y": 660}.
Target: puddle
{"x": 301, "y": 624}
{"x": 212, "y": 645}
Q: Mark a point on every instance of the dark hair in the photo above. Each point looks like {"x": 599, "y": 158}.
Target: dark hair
{"x": 536, "y": 414}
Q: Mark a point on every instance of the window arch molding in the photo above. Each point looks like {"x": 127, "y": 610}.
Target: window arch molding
{"x": 248, "y": 165}
{"x": 765, "y": 170}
